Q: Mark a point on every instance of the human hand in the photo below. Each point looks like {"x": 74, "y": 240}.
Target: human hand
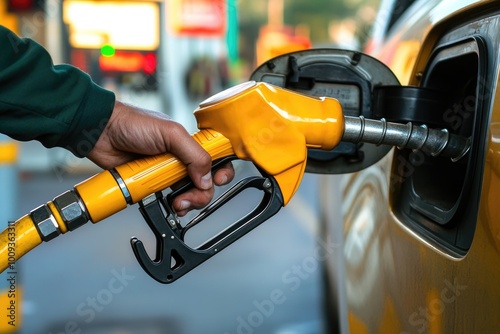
{"x": 132, "y": 132}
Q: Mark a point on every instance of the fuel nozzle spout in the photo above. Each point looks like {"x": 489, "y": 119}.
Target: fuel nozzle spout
{"x": 435, "y": 142}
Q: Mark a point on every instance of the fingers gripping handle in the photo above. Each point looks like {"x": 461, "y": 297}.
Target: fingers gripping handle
{"x": 111, "y": 191}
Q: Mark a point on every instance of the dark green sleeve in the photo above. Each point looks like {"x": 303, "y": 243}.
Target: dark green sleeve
{"x": 56, "y": 105}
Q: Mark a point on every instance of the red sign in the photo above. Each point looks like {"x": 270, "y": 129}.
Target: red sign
{"x": 197, "y": 17}
{"x": 20, "y": 5}
{"x": 129, "y": 61}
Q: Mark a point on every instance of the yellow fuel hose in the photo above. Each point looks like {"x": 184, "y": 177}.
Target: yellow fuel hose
{"x": 17, "y": 240}
{"x": 103, "y": 196}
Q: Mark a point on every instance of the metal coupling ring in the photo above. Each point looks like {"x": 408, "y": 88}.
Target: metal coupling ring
{"x": 71, "y": 210}
{"x": 45, "y": 223}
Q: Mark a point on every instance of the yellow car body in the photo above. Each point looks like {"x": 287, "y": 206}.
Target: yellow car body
{"x": 419, "y": 250}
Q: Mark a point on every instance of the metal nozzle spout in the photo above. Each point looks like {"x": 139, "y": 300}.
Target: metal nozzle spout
{"x": 416, "y": 137}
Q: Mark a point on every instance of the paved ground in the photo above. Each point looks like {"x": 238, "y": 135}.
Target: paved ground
{"x": 88, "y": 281}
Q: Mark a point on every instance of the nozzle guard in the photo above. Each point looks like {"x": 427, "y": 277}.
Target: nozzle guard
{"x": 174, "y": 257}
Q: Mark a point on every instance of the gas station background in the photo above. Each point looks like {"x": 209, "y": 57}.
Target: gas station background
{"x": 169, "y": 55}
{"x": 165, "y": 55}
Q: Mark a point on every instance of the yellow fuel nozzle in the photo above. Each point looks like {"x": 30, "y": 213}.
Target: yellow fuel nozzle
{"x": 273, "y": 127}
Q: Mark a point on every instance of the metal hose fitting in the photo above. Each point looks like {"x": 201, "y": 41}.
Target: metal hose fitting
{"x": 71, "y": 209}
{"x": 416, "y": 137}
{"x": 45, "y": 223}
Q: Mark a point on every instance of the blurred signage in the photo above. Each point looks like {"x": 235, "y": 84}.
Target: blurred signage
{"x": 275, "y": 41}
{"x": 24, "y": 5}
{"x": 128, "y": 61}
{"x": 127, "y": 25}
{"x": 197, "y": 17}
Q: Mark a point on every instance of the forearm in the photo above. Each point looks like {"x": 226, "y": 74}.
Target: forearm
{"x": 56, "y": 105}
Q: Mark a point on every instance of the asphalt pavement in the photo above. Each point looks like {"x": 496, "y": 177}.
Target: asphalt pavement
{"x": 88, "y": 280}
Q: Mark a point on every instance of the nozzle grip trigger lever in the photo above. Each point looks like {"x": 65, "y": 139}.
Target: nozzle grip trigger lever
{"x": 174, "y": 258}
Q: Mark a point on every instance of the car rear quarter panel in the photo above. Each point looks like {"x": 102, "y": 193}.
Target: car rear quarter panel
{"x": 395, "y": 281}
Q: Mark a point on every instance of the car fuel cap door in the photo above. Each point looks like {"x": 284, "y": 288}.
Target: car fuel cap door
{"x": 348, "y": 76}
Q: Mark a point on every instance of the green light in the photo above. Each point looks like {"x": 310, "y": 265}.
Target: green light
{"x": 108, "y": 50}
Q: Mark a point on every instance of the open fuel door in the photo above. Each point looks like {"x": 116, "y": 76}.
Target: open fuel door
{"x": 352, "y": 78}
